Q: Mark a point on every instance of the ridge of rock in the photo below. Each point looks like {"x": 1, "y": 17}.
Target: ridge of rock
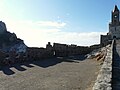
{"x": 9, "y": 41}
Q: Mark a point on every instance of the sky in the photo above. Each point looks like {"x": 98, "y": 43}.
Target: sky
{"x": 38, "y": 22}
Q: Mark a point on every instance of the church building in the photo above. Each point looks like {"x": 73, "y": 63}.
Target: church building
{"x": 114, "y": 27}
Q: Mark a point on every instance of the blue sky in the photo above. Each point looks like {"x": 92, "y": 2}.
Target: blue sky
{"x": 63, "y": 21}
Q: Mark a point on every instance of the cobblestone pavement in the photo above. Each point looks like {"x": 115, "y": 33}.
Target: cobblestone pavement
{"x": 53, "y": 74}
{"x": 116, "y": 67}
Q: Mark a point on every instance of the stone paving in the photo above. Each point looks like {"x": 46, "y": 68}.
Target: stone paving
{"x": 54, "y": 74}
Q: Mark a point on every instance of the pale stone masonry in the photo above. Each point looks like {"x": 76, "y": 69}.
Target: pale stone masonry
{"x": 104, "y": 78}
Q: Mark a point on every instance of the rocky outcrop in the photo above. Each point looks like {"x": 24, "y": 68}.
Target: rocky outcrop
{"x": 2, "y": 27}
{"x": 10, "y": 46}
{"x": 9, "y": 41}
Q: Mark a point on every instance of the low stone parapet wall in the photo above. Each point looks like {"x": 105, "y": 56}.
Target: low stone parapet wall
{"x": 104, "y": 78}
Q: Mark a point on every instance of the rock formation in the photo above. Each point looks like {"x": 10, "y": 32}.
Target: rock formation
{"x": 2, "y": 27}
{"x": 9, "y": 41}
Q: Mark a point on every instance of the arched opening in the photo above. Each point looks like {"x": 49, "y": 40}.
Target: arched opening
{"x": 114, "y": 37}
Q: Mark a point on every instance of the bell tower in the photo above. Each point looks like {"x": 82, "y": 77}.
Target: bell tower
{"x": 115, "y": 16}
{"x": 114, "y": 25}
{"x": 114, "y": 28}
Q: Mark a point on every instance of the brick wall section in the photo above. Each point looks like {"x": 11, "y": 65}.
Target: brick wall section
{"x": 104, "y": 78}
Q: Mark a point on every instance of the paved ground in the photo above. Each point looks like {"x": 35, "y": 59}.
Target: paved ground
{"x": 116, "y": 67}
{"x": 53, "y": 74}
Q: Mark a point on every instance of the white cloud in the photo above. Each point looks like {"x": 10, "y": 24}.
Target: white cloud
{"x": 35, "y": 36}
{"x": 52, "y": 24}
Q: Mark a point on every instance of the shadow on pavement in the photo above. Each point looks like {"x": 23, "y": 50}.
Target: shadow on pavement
{"x": 41, "y": 63}
{"x": 6, "y": 70}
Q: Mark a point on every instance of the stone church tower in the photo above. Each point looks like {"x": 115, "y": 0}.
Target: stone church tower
{"x": 114, "y": 27}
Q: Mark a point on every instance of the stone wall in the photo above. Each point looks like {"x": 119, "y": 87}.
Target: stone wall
{"x": 70, "y": 50}
{"x": 105, "y": 40}
{"x": 104, "y": 78}
{"x": 60, "y": 49}
{"x": 38, "y": 53}
{"x": 114, "y": 31}
{"x": 20, "y": 52}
